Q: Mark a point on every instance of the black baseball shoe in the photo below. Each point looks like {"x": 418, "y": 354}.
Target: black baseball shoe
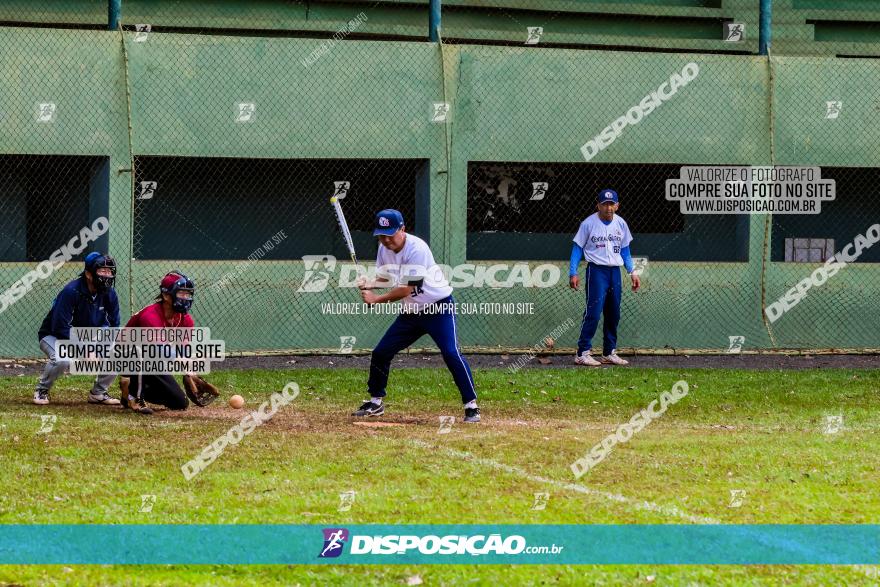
{"x": 137, "y": 405}
{"x": 369, "y": 410}
{"x": 472, "y": 415}
{"x": 142, "y": 407}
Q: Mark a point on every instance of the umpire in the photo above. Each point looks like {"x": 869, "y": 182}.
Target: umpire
{"x": 86, "y": 302}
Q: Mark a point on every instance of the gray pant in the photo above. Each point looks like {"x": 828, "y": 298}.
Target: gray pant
{"x": 54, "y": 369}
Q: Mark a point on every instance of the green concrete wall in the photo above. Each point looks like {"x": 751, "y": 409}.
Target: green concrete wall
{"x": 371, "y": 99}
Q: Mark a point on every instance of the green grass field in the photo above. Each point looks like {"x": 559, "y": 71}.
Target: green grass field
{"x": 756, "y": 431}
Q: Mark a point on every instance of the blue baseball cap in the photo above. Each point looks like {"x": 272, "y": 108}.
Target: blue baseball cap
{"x": 388, "y": 222}
{"x": 607, "y": 196}
{"x": 91, "y": 259}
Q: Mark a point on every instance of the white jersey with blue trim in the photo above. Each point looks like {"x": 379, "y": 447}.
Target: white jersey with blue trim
{"x": 414, "y": 265}
{"x": 601, "y": 243}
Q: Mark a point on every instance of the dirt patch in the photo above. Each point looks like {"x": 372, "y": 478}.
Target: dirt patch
{"x": 379, "y": 424}
{"x": 505, "y": 361}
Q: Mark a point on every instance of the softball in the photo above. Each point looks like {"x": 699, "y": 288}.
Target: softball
{"x": 236, "y": 401}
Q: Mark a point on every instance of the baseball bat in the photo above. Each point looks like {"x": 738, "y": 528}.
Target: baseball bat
{"x": 346, "y": 233}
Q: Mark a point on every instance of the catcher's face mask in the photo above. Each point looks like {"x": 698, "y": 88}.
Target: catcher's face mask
{"x": 102, "y": 269}
{"x": 181, "y": 292}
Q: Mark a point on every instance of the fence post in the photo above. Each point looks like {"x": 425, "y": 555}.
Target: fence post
{"x": 114, "y": 9}
{"x": 765, "y": 27}
{"x": 434, "y": 21}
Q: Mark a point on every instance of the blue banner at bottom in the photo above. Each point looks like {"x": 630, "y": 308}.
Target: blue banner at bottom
{"x": 440, "y": 544}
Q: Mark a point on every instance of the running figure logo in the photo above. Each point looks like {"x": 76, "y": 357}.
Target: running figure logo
{"x": 334, "y": 540}
{"x": 346, "y": 344}
{"x": 142, "y": 31}
{"x": 734, "y": 32}
{"x": 148, "y": 190}
{"x": 534, "y": 34}
{"x": 539, "y": 190}
{"x": 736, "y": 344}
{"x": 245, "y": 111}
{"x": 340, "y": 189}
{"x": 318, "y": 269}
{"x": 46, "y": 112}
{"x": 832, "y": 109}
{"x": 440, "y": 112}
{"x": 47, "y": 423}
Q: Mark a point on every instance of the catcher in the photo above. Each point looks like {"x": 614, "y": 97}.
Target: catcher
{"x": 171, "y": 310}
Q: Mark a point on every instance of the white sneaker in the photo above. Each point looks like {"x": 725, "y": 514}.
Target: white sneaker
{"x": 585, "y": 359}
{"x": 41, "y": 397}
{"x": 103, "y": 398}
{"x": 614, "y": 359}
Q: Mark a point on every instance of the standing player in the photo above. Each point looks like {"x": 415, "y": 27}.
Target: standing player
{"x": 428, "y": 308}
{"x": 86, "y": 302}
{"x": 603, "y": 238}
{"x": 171, "y": 310}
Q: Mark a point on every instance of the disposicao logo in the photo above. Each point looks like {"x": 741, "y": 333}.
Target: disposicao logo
{"x": 334, "y": 540}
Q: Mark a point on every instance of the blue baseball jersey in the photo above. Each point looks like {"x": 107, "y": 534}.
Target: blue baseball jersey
{"x": 76, "y": 306}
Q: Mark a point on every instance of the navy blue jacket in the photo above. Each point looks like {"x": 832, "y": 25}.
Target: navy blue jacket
{"x": 75, "y": 306}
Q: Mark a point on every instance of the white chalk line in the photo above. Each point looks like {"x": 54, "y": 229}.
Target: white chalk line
{"x": 667, "y": 510}
{"x": 644, "y": 505}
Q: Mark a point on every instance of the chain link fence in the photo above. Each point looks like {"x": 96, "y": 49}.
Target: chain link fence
{"x": 823, "y": 68}
{"x": 213, "y": 140}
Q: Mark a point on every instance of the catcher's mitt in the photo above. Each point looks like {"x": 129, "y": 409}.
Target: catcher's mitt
{"x": 199, "y": 391}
